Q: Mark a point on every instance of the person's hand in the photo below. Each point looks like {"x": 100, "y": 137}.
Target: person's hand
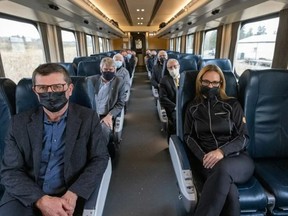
{"x": 108, "y": 121}
{"x": 52, "y": 206}
{"x": 70, "y": 203}
{"x": 211, "y": 158}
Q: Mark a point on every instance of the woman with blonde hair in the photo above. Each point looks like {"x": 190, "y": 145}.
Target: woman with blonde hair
{"x": 215, "y": 131}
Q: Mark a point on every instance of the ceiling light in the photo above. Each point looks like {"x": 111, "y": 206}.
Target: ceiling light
{"x": 138, "y": 9}
{"x": 142, "y": 10}
{"x": 142, "y": 18}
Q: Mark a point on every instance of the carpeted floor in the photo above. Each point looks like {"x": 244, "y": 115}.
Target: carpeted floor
{"x": 143, "y": 182}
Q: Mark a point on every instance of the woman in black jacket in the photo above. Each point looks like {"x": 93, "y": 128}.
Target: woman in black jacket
{"x": 215, "y": 131}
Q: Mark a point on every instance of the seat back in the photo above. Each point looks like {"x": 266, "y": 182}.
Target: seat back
{"x": 89, "y": 68}
{"x": 187, "y": 64}
{"x": 7, "y": 109}
{"x": 187, "y": 90}
{"x": 224, "y": 64}
{"x": 83, "y": 94}
{"x": 186, "y": 93}
{"x": 69, "y": 67}
{"x": 196, "y": 58}
{"x": 264, "y": 96}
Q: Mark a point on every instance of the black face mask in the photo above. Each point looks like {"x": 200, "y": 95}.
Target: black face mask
{"x": 162, "y": 60}
{"x": 107, "y": 75}
{"x": 53, "y": 101}
{"x": 210, "y": 93}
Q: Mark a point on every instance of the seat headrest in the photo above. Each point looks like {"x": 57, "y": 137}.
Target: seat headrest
{"x": 187, "y": 64}
{"x": 83, "y": 94}
{"x": 224, "y": 64}
{"x": 88, "y": 68}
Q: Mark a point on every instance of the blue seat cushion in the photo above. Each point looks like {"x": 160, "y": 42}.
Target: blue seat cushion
{"x": 273, "y": 173}
{"x": 252, "y": 196}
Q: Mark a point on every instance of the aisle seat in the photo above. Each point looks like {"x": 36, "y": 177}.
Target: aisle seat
{"x": 253, "y": 199}
{"x": 82, "y": 93}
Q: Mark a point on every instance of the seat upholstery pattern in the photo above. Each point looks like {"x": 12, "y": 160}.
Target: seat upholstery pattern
{"x": 264, "y": 96}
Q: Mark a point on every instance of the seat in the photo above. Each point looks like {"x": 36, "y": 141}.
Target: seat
{"x": 7, "y": 109}
{"x": 264, "y": 96}
{"x": 69, "y": 67}
{"x": 116, "y": 138}
{"x": 253, "y": 200}
{"x": 82, "y": 93}
{"x": 187, "y": 64}
{"x": 196, "y": 58}
{"x": 223, "y": 63}
{"x": 89, "y": 68}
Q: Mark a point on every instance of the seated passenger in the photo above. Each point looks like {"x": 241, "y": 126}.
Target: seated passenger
{"x": 109, "y": 95}
{"x": 215, "y": 131}
{"x": 167, "y": 94}
{"x": 121, "y": 71}
{"x": 127, "y": 64}
{"x": 158, "y": 70}
{"x": 151, "y": 60}
{"x": 53, "y": 160}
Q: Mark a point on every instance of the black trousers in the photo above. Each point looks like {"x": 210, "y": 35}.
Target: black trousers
{"x": 16, "y": 208}
{"x": 220, "y": 194}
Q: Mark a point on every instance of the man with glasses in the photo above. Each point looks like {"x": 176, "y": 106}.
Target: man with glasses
{"x": 55, "y": 155}
{"x": 109, "y": 96}
{"x": 159, "y": 70}
{"x": 167, "y": 94}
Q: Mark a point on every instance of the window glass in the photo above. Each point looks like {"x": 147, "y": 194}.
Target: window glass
{"x": 255, "y": 46}
{"x": 108, "y": 45}
{"x": 189, "y": 43}
{"x": 178, "y": 44}
{"x": 89, "y": 44}
{"x": 101, "y": 45}
{"x": 69, "y": 45}
{"x": 209, "y": 46}
{"x": 171, "y": 47}
{"x": 21, "y": 49}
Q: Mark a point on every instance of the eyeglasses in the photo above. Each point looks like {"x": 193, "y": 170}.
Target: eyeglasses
{"x": 54, "y": 88}
{"x": 213, "y": 83}
{"x": 173, "y": 66}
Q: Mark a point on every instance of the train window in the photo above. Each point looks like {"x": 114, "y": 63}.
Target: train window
{"x": 171, "y": 44}
{"x": 178, "y": 44}
{"x": 21, "y": 48}
{"x": 209, "y": 46}
{"x": 101, "y": 44}
{"x": 69, "y": 45}
{"x": 255, "y": 46}
{"x": 89, "y": 44}
{"x": 189, "y": 43}
{"x": 108, "y": 44}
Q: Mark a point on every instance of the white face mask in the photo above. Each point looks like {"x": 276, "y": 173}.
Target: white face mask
{"x": 174, "y": 72}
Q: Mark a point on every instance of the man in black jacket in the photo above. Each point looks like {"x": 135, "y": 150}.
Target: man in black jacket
{"x": 167, "y": 93}
{"x": 54, "y": 156}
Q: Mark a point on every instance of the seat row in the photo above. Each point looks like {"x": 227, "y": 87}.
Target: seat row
{"x": 263, "y": 95}
{"x": 18, "y": 98}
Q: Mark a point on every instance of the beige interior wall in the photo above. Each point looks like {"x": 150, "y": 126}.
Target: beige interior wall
{"x": 156, "y": 43}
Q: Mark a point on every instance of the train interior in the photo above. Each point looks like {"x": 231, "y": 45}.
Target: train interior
{"x": 148, "y": 175}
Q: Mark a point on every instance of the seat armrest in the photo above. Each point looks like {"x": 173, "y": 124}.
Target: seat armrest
{"x": 118, "y": 128}
{"x": 155, "y": 92}
{"x": 183, "y": 173}
{"x": 95, "y": 204}
{"x": 161, "y": 113}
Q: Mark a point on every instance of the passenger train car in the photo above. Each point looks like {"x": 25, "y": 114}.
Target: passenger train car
{"x": 147, "y": 175}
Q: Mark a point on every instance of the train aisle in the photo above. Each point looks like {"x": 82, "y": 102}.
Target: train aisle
{"x": 143, "y": 182}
